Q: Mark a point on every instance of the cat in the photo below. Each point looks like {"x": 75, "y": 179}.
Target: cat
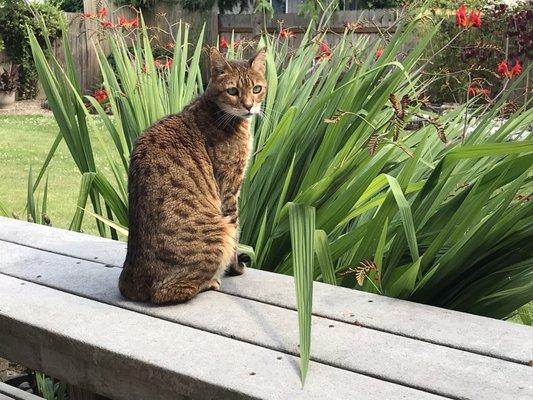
{"x": 184, "y": 180}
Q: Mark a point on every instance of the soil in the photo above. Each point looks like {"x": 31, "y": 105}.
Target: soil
{"x": 9, "y": 370}
{"x": 26, "y": 107}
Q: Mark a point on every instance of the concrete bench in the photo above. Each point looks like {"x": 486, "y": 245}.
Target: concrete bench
{"x": 11, "y": 393}
{"x": 61, "y": 313}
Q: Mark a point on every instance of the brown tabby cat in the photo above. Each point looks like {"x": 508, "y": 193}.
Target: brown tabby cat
{"x": 184, "y": 180}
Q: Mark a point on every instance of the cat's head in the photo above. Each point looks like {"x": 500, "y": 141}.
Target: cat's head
{"x": 238, "y": 87}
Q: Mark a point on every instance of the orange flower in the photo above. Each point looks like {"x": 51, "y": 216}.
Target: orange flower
{"x": 285, "y": 34}
{"x": 352, "y": 26}
{"x": 475, "y": 90}
{"x": 223, "y": 43}
{"x": 128, "y": 23}
{"x": 163, "y": 65}
{"x": 106, "y": 24}
{"x": 379, "y": 52}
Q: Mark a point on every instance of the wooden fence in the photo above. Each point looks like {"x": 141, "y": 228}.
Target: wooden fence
{"x": 81, "y": 32}
{"x": 243, "y": 26}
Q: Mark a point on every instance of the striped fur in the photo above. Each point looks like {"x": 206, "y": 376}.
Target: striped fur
{"x": 185, "y": 174}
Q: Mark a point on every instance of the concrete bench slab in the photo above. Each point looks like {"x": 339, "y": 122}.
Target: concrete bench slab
{"x": 435, "y": 325}
{"x": 12, "y": 393}
{"x": 243, "y": 314}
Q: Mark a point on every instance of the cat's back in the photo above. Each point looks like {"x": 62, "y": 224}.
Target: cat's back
{"x": 169, "y": 163}
{"x": 171, "y": 136}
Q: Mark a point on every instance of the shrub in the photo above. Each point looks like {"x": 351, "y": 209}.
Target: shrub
{"x": 9, "y": 79}
{"x": 14, "y": 17}
{"x": 72, "y": 6}
{"x": 476, "y": 53}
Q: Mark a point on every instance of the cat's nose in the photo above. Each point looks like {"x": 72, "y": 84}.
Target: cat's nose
{"x": 248, "y": 106}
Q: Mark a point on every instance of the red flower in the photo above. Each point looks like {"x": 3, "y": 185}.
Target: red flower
{"x": 134, "y": 22}
{"x": 484, "y": 92}
{"x": 504, "y": 71}
{"x": 460, "y": 17}
{"x": 100, "y": 95}
{"x": 106, "y": 24}
{"x": 475, "y": 19}
{"x": 102, "y": 12}
{"x": 169, "y": 45}
{"x": 325, "y": 49}
{"x": 517, "y": 68}
{"x": 379, "y": 52}
{"x": 223, "y": 43}
{"x": 464, "y": 20}
{"x": 88, "y": 15}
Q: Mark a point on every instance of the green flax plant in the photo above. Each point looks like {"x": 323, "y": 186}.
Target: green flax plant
{"x": 431, "y": 215}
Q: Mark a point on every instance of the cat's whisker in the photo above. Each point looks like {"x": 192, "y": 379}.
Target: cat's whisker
{"x": 272, "y": 111}
{"x": 225, "y": 120}
{"x": 268, "y": 118}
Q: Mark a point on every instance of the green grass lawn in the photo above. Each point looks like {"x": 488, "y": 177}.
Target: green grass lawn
{"x": 24, "y": 142}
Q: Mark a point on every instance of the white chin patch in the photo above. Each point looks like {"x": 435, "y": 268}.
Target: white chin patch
{"x": 241, "y": 112}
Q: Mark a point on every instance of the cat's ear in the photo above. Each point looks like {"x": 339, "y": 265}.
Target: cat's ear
{"x": 218, "y": 62}
{"x": 257, "y": 62}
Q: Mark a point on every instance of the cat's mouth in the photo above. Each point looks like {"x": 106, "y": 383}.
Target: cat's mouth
{"x": 240, "y": 112}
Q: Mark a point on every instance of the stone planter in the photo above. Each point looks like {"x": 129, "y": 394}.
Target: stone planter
{"x": 7, "y": 99}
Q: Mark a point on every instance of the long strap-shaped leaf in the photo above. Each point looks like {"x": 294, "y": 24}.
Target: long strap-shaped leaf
{"x": 302, "y": 227}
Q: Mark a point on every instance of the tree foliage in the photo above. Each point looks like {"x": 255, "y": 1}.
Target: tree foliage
{"x": 15, "y": 16}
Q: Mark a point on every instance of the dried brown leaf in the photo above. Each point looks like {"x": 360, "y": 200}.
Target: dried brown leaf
{"x": 336, "y": 117}
{"x": 372, "y": 144}
{"x": 361, "y": 272}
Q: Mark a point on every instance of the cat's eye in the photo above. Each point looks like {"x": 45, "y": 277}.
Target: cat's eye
{"x": 232, "y": 91}
{"x": 257, "y": 89}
